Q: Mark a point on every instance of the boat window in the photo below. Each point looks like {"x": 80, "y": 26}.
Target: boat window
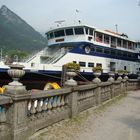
{"x": 79, "y": 31}
{"x": 135, "y": 45}
{"x": 90, "y": 64}
{"x": 59, "y": 33}
{"x": 113, "y": 52}
{"x": 132, "y": 46}
{"x": 129, "y": 44}
{"x": 86, "y": 29}
{"x": 113, "y": 41}
{"x": 119, "y": 53}
{"x": 98, "y": 65}
{"x": 119, "y": 42}
{"x": 124, "y": 54}
{"x": 106, "y": 39}
{"x": 125, "y": 68}
{"x": 93, "y": 49}
{"x": 100, "y": 50}
{"x": 69, "y": 31}
{"x": 130, "y": 55}
{"x": 32, "y": 64}
{"x": 99, "y": 37}
{"x": 124, "y": 44}
{"x": 106, "y": 51}
{"x": 82, "y": 64}
{"x": 51, "y": 35}
{"x": 48, "y": 36}
{"x": 90, "y": 31}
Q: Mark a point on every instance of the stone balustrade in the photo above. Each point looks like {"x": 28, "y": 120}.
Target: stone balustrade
{"x": 23, "y": 113}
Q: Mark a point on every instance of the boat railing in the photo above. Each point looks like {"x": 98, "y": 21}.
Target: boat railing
{"x": 33, "y": 55}
{"x": 56, "y": 56}
{"x": 46, "y": 52}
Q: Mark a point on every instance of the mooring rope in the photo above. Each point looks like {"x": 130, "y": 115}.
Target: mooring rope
{"x": 48, "y": 75}
{"x": 82, "y": 77}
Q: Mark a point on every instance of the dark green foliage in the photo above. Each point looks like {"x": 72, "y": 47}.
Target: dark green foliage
{"x": 16, "y": 34}
{"x": 17, "y": 55}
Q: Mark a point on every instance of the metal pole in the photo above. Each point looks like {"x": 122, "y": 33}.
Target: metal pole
{"x": 116, "y": 28}
{"x": 1, "y": 54}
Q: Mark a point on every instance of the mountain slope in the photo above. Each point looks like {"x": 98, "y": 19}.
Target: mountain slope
{"x": 16, "y": 34}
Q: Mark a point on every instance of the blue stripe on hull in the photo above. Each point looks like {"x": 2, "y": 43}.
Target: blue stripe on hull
{"x": 78, "y": 50}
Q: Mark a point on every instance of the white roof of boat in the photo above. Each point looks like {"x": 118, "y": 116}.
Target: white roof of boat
{"x": 108, "y": 32}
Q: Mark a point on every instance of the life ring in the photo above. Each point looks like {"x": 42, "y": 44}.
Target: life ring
{"x": 51, "y": 85}
{"x": 1, "y": 90}
{"x": 87, "y": 49}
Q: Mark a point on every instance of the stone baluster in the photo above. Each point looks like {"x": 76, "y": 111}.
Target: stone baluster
{"x": 44, "y": 106}
{"x": 50, "y": 103}
{"x": 54, "y": 104}
{"x": 59, "y": 101}
{"x": 2, "y": 115}
{"x": 32, "y": 110}
{"x": 39, "y": 107}
{"x": 62, "y": 100}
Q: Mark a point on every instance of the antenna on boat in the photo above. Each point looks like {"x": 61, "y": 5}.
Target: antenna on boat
{"x": 116, "y": 25}
{"x": 59, "y": 22}
{"x": 76, "y": 16}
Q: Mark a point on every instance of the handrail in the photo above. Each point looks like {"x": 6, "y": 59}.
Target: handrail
{"x": 49, "y": 93}
{"x": 56, "y": 56}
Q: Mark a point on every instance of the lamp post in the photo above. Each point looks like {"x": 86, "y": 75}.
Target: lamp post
{"x": 16, "y": 58}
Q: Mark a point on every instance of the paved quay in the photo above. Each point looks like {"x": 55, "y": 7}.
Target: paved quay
{"x": 118, "y": 120}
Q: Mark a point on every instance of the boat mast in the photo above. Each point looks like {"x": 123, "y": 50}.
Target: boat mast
{"x": 116, "y": 25}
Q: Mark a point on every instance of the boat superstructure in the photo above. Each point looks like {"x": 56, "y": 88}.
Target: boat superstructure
{"x": 88, "y": 46}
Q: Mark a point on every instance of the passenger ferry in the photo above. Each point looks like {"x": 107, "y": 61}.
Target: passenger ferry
{"x": 86, "y": 45}
{"x": 89, "y": 47}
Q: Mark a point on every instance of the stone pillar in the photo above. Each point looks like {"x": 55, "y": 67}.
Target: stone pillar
{"x": 98, "y": 95}
{"x": 121, "y": 87}
{"x": 17, "y": 113}
{"x": 73, "y": 103}
{"x": 138, "y": 83}
{"x": 97, "y": 81}
{"x": 5, "y": 130}
{"x": 124, "y": 86}
{"x": 112, "y": 90}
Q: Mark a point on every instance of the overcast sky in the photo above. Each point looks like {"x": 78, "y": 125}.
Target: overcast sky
{"x": 41, "y": 14}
